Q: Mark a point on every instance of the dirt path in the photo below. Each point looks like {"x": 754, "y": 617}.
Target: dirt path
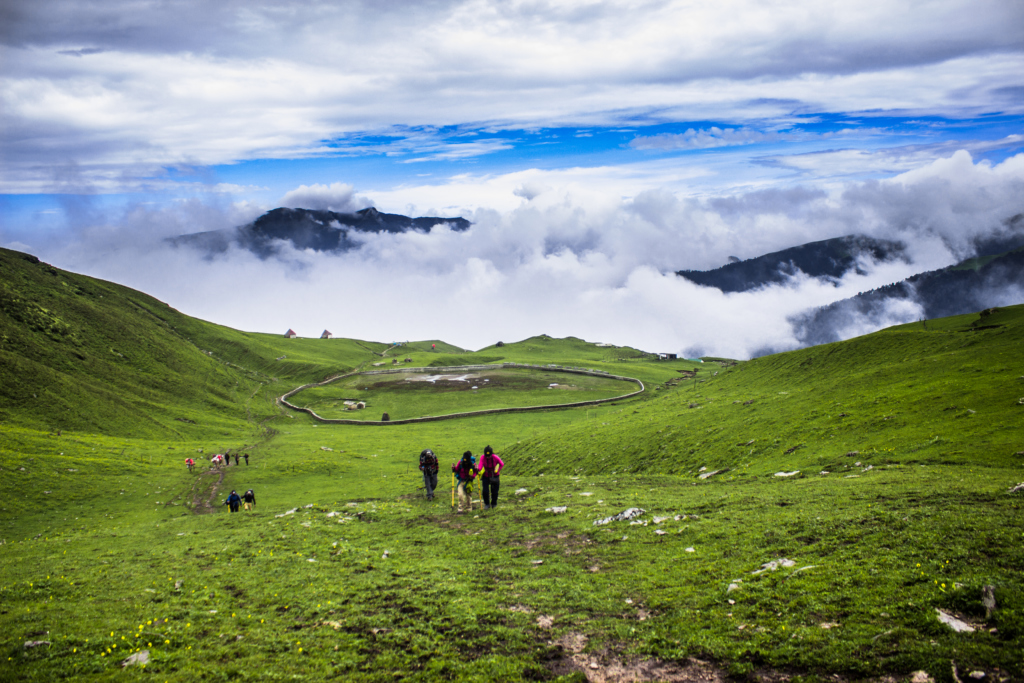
{"x": 203, "y": 492}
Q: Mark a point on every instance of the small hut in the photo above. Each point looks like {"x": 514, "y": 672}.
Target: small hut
{"x": 290, "y": 334}
{"x": 326, "y": 335}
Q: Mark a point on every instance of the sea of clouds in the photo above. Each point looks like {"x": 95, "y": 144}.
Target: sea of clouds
{"x": 562, "y": 263}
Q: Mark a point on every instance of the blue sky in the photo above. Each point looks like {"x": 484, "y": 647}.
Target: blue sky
{"x": 594, "y": 132}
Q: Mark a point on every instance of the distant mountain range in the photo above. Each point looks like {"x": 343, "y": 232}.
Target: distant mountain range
{"x": 310, "y": 229}
{"x": 977, "y": 283}
{"x": 828, "y": 259}
{"x": 994, "y": 277}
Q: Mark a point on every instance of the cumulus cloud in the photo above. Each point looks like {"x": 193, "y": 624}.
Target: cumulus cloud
{"x": 254, "y": 80}
{"x": 338, "y": 197}
{"x": 601, "y": 271}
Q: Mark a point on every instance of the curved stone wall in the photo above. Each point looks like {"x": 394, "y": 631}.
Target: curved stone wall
{"x": 283, "y": 400}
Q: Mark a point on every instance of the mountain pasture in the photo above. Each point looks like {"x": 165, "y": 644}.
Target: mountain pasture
{"x": 806, "y": 516}
{"x": 454, "y": 390}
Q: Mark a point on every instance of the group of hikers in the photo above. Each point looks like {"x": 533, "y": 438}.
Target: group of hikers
{"x": 248, "y": 499}
{"x": 464, "y": 472}
{"x": 217, "y": 460}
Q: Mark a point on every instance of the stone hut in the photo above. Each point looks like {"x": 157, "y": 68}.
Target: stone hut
{"x": 326, "y": 335}
{"x": 290, "y": 334}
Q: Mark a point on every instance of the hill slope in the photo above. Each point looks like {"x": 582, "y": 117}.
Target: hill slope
{"x": 82, "y": 354}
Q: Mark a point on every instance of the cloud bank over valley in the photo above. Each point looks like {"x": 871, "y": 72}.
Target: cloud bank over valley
{"x": 562, "y": 264}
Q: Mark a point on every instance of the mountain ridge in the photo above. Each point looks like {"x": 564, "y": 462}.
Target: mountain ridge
{"x": 317, "y": 229}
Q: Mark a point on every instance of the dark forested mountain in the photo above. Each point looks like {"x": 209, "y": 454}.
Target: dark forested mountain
{"x": 310, "y": 229}
{"x": 827, "y": 259}
{"x": 974, "y": 284}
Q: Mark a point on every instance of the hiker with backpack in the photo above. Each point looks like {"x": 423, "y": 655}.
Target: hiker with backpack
{"x": 490, "y": 470}
{"x": 250, "y": 500}
{"x": 234, "y": 500}
{"x": 190, "y": 464}
{"x": 465, "y": 472}
{"x": 429, "y": 467}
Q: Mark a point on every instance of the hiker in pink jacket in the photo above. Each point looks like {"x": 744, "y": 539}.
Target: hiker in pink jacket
{"x": 490, "y": 470}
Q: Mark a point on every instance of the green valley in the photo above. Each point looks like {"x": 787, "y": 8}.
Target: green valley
{"x": 807, "y": 516}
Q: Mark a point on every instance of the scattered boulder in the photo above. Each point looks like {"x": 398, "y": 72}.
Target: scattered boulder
{"x": 30, "y": 644}
{"x": 921, "y": 677}
{"x": 625, "y": 515}
{"x": 988, "y": 600}
{"x": 774, "y": 565}
{"x": 521, "y": 492}
{"x": 1019, "y": 488}
{"x": 140, "y": 658}
{"x": 557, "y": 510}
{"x": 954, "y": 623}
{"x": 787, "y": 474}
{"x": 707, "y": 475}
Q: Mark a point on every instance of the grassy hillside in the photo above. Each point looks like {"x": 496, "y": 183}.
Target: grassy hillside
{"x": 938, "y": 392}
{"x": 80, "y": 354}
{"x": 899, "y": 449}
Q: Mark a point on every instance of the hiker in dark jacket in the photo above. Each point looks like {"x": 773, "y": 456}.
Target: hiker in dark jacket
{"x": 428, "y": 465}
{"x": 234, "y": 501}
{"x": 465, "y": 471}
{"x": 490, "y": 470}
{"x": 250, "y": 499}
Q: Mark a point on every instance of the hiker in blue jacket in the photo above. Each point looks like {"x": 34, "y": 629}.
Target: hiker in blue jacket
{"x": 234, "y": 500}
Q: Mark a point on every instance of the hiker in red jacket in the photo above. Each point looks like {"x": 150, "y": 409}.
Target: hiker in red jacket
{"x": 490, "y": 470}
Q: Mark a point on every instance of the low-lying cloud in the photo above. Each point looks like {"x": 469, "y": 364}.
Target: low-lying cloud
{"x": 558, "y": 265}
{"x": 338, "y": 197}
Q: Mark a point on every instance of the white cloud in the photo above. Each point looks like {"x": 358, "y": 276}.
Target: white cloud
{"x": 334, "y": 197}
{"x": 117, "y": 86}
{"x": 601, "y": 270}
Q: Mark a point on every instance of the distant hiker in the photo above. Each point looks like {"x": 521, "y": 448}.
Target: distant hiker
{"x": 429, "y": 467}
{"x": 246, "y": 456}
{"x": 385, "y": 418}
{"x": 490, "y": 468}
{"x": 250, "y": 500}
{"x": 465, "y": 471}
{"x": 236, "y": 459}
{"x": 433, "y": 347}
{"x": 190, "y": 463}
{"x": 234, "y": 501}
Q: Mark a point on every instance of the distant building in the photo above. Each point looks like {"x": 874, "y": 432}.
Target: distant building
{"x": 326, "y": 335}
{"x": 290, "y": 334}
{"x": 666, "y": 356}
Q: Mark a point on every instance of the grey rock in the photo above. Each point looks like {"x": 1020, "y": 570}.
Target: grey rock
{"x": 631, "y": 513}
{"x": 954, "y": 623}
{"x": 140, "y": 658}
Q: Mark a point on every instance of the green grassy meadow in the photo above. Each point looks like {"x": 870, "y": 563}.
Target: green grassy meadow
{"x": 899, "y": 447}
{"x": 413, "y": 394}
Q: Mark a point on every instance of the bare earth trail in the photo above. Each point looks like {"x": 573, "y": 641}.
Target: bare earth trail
{"x": 203, "y": 492}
